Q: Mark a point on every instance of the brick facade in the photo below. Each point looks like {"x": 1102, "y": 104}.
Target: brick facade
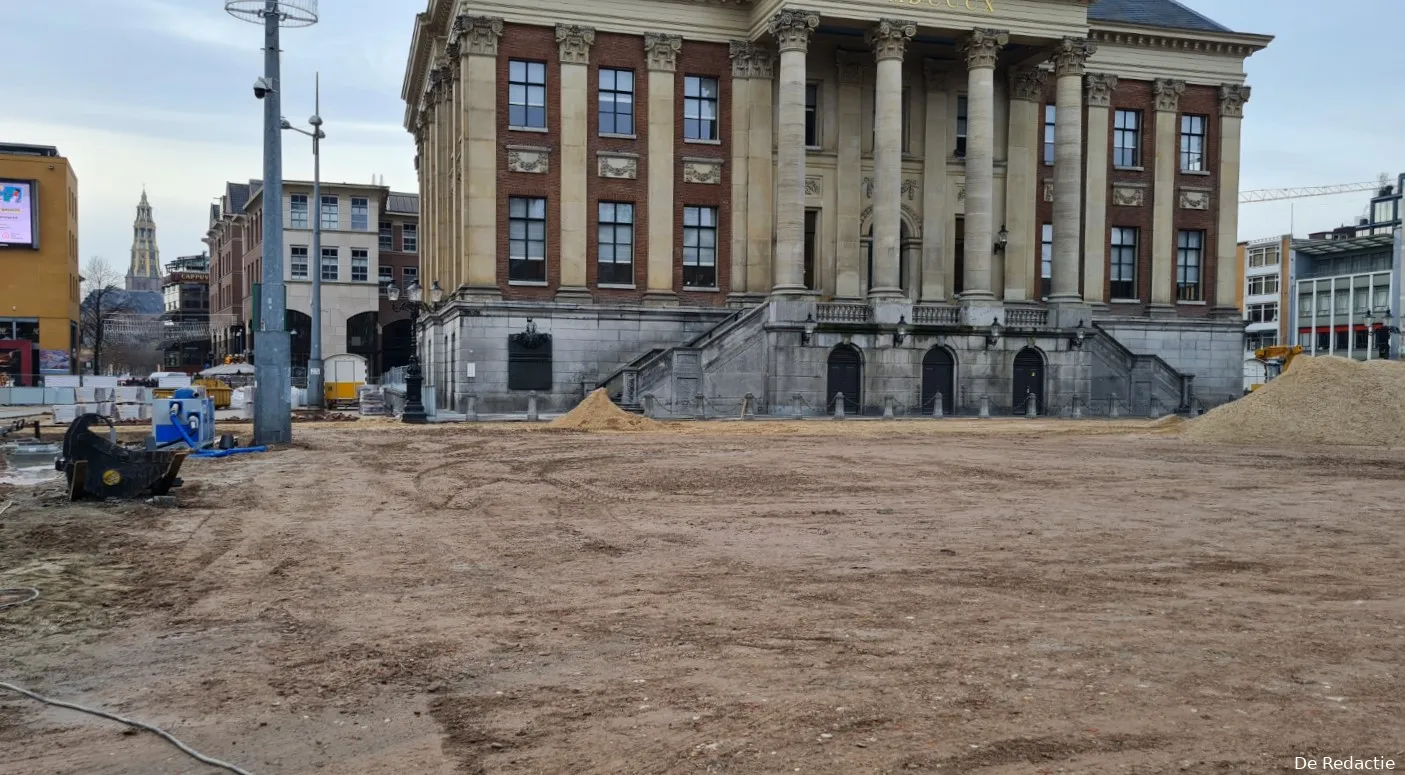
{"x": 532, "y": 44}
{"x": 713, "y": 61}
{"x": 623, "y": 52}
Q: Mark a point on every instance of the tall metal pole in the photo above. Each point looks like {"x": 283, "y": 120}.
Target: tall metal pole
{"x": 273, "y": 420}
{"x": 314, "y": 361}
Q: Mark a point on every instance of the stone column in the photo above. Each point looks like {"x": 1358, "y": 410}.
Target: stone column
{"x": 760, "y": 170}
{"x": 1095, "y": 235}
{"x": 982, "y": 48}
{"x": 934, "y": 183}
{"x": 742, "y": 53}
{"x": 1070, "y": 56}
{"x": 480, "y": 48}
{"x": 889, "y": 39}
{"x": 1022, "y": 181}
{"x": 661, "y": 54}
{"x": 449, "y": 273}
{"x": 443, "y": 240}
{"x": 1163, "y": 213}
{"x": 792, "y": 30}
{"x": 849, "y": 265}
{"x": 429, "y": 239}
{"x": 1232, "y": 99}
{"x": 574, "y": 42}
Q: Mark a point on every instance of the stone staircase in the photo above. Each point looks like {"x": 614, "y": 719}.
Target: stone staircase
{"x": 1142, "y": 384}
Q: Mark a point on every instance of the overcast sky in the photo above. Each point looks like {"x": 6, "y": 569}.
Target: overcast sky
{"x": 158, "y": 92}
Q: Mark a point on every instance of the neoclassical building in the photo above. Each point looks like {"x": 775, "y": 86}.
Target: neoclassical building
{"x": 896, "y": 200}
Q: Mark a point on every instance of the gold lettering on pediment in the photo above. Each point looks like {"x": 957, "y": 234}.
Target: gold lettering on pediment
{"x": 970, "y": 5}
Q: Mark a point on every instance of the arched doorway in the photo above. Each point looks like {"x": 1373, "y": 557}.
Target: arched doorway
{"x": 299, "y": 328}
{"x": 363, "y": 338}
{"x": 845, "y": 376}
{"x": 398, "y": 339}
{"x": 938, "y": 376}
{"x": 1029, "y": 379}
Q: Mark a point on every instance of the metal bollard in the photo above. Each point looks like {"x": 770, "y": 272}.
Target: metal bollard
{"x": 699, "y": 407}
{"x": 470, "y": 408}
{"x": 1031, "y": 406}
{"x": 985, "y": 408}
{"x": 1077, "y": 408}
{"x": 838, "y": 406}
{"x": 649, "y": 405}
{"x": 748, "y": 406}
{"x": 937, "y": 405}
{"x": 531, "y": 406}
{"x": 888, "y": 407}
{"x": 1113, "y": 410}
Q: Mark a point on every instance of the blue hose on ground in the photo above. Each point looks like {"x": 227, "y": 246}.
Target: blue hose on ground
{"x": 195, "y": 445}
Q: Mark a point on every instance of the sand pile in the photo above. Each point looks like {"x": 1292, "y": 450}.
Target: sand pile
{"x": 1318, "y": 400}
{"x": 598, "y": 413}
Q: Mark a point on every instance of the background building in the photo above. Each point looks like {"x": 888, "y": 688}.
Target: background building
{"x": 39, "y": 278}
{"x": 229, "y": 286}
{"x": 144, "y": 272}
{"x": 1342, "y": 289}
{"x": 950, "y": 202}
{"x": 399, "y": 263}
{"x": 1265, "y": 300}
{"x": 185, "y": 329}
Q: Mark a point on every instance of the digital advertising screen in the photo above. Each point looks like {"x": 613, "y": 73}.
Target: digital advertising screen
{"x": 17, "y": 222}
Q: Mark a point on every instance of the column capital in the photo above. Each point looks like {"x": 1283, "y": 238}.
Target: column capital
{"x": 1100, "y": 87}
{"x": 982, "y": 46}
{"x": 1232, "y": 99}
{"x": 936, "y": 72}
{"x": 889, "y": 38}
{"x": 851, "y": 66}
{"x": 751, "y": 60}
{"x": 661, "y": 51}
{"x": 792, "y": 28}
{"x": 1071, "y": 55}
{"x": 1168, "y": 93}
{"x": 1027, "y": 84}
{"x": 478, "y": 35}
{"x": 575, "y": 42}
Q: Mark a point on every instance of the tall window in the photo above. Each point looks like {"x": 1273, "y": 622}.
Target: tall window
{"x": 330, "y": 217}
{"x": 700, "y": 247}
{"x": 1046, "y": 260}
{"x": 298, "y": 264}
{"x": 812, "y": 218}
{"x": 526, "y": 94}
{"x": 961, "y": 117}
{"x": 386, "y": 276}
{"x": 1124, "y": 263}
{"x": 1193, "y": 143}
{"x": 360, "y": 214}
{"x": 409, "y": 238}
{"x": 616, "y": 101}
{"x": 360, "y": 265}
{"x": 410, "y": 275}
{"x": 1051, "y": 113}
{"x": 1190, "y": 248}
{"x": 699, "y": 108}
{"x": 526, "y": 239}
{"x": 299, "y": 212}
{"x": 1127, "y": 139}
{"x": 616, "y": 243}
{"x": 812, "y": 115}
{"x": 329, "y": 264}
{"x": 387, "y": 239}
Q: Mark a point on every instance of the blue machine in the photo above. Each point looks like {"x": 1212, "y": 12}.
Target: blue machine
{"x": 185, "y": 419}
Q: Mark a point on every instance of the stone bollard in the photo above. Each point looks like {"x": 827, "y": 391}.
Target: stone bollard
{"x": 1113, "y": 410}
{"x": 838, "y": 406}
{"x": 531, "y": 406}
{"x": 937, "y": 405}
{"x": 470, "y": 408}
{"x": 1031, "y": 406}
{"x": 985, "y": 408}
{"x": 1077, "y": 412}
{"x": 888, "y": 407}
{"x": 748, "y": 406}
{"x": 649, "y": 405}
{"x": 797, "y": 405}
{"x": 699, "y": 407}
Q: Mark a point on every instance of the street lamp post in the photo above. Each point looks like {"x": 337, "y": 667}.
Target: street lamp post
{"x": 315, "y": 397}
{"x": 414, "y": 375}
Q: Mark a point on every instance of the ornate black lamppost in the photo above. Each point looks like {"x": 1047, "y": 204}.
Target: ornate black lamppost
{"x": 414, "y": 376}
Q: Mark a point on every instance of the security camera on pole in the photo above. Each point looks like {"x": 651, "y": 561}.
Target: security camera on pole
{"x": 315, "y": 397}
{"x": 273, "y": 420}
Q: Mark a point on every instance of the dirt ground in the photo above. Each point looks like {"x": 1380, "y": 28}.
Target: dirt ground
{"x": 947, "y": 596}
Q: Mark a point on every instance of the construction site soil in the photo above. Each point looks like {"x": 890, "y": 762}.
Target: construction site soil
{"x": 955, "y": 596}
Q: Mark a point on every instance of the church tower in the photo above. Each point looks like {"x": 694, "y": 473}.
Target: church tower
{"x": 145, "y": 272}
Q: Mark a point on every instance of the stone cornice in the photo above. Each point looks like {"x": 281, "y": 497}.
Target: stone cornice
{"x": 889, "y": 38}
{"x": 1220, "y": 44}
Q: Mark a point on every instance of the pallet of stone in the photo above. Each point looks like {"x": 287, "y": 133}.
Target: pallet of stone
{"x": 371, "y": 400}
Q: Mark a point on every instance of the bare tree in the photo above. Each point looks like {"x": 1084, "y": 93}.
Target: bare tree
{"x": 101, "y": 297}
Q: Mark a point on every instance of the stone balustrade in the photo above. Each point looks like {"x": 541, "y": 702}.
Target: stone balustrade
{"x": 839, "y": 312}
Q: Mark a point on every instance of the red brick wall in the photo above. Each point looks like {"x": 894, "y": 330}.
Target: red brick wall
{"x": 624, "y": 52}
{"x": 1204, "y": 101}
{"x": 532, "y": 44}
{"x": 397, "y": 260}
{"x": 1133, "y": 95}
{"x": 711, "y": 60}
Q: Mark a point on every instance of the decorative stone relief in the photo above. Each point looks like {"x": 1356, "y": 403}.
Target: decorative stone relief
{"x": 528, "y": 158}
{"x": 1128, "y": 196}
{"x": 868, "y": 188}
{"x": 575, "y": 42}
{"x": 813, "y": 186}
{"x": 1071, "y": 55}
{"x": 1232, "y": 99}
{"x": 661, "y": 51}
{"x": 961, "y": 192}
{"x": 1048, "y": 190}
{"x": 982, "y": 46}
{"x": 909, "y": 189}
{"x": 1191, "y": 199}
{"x": 702, "y": 171}
{"x": 619, "y": 166}
{"x": 1168, "y": 94}
{"x": 889, "y": 38}
{"x": 481, "y": 33}
{"x": 1027, "y": 84}
{"x": 851, "y": 67}
{"x": 792, "y": 29}
{"x": 1100, "y": 87}
{"x": 750, "y": 60}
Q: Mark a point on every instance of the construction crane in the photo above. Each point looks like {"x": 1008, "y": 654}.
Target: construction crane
{"x": 1276, "y": 194}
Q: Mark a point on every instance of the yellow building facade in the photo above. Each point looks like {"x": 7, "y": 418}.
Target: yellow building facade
{"x": 39, "y": 278}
